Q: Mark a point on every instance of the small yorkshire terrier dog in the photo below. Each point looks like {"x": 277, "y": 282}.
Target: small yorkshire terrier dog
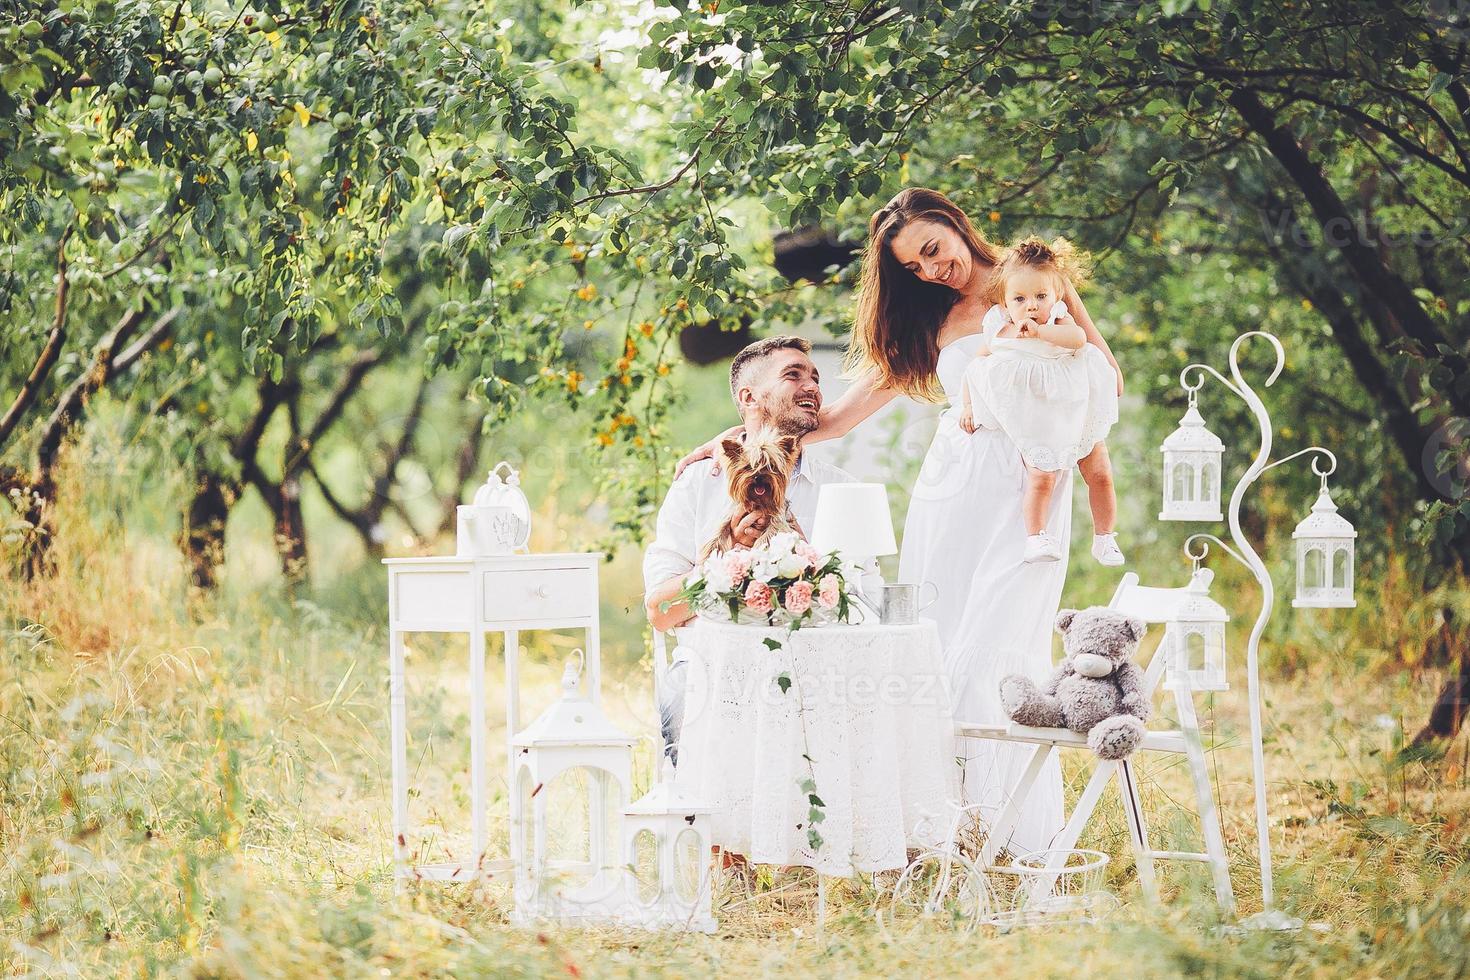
{"x": 757, "y": 471}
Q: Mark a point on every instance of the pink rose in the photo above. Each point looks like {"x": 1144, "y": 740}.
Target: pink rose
{"x": 758, "y": 597}
{"x": 737, "y": 564}
{"x": 828, "y": 595}
{"x": 812, "y": 555}
{"x": 798, "y": 597}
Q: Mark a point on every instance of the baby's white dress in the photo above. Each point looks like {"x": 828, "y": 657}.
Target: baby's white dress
{"x": 1055, "y": 403}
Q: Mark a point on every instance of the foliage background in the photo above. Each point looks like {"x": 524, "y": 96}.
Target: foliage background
{"x": 279, "y": 283}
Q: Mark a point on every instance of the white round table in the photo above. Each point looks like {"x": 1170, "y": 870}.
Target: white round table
{"x": 866, "y": 717}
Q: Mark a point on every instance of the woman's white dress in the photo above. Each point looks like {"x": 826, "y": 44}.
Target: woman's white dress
{"x": 995, "y": 612}
{"x": 1054, "y": 402}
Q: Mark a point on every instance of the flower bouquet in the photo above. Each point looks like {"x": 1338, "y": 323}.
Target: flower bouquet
{"x": 784, "y": 582}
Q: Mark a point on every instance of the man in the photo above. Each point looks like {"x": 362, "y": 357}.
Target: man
{"x": 772, "y": 380}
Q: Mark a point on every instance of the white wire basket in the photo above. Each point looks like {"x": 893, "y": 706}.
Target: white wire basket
{"x": 946, "y": 888}
{"x": 1050, "y": 887}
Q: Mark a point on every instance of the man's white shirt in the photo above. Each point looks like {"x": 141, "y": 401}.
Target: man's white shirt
{"x": 697, "y": 505}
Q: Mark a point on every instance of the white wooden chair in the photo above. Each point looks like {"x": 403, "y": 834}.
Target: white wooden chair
{"x": 1153, "y": 605}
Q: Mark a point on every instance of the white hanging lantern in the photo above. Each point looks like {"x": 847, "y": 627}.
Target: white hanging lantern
{"x": 1196, "y": 632}
{"x": 1324, "y": 557}
{"x": 666, "y": 843}
{"x": 1192, "y": 457}
{"x": 498, "y": 522}
{"x": 571, "y": 771}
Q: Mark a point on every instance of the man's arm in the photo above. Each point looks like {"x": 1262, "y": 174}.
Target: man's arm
{"x": 677, "y": 615}
{"x": 746, "y": 531}
{"x": 670, "y": 557}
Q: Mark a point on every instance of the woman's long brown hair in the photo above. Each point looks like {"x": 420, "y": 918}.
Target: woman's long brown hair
{"x": 896, "y": 328}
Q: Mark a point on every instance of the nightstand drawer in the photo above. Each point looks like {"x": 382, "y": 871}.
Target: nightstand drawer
{"x": 433, "y": 600}
{"x": 543, "y": 593}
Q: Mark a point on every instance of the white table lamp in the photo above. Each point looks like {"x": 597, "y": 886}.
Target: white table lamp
{"x": 854, "y": 519}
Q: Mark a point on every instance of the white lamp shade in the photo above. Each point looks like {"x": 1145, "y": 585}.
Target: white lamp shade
{"x": 853, "y": 518}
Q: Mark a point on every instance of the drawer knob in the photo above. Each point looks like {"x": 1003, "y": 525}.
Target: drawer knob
{"x": 539, "y": 592}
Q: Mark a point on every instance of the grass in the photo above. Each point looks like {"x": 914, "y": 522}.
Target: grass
{"x": 201, "y": 787}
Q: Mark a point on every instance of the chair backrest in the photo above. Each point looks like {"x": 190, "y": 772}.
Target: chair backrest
{"x": 1152, "y": 605}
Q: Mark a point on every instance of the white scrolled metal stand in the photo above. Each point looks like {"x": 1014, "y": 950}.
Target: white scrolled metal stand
{"x": 1269, "y": 917}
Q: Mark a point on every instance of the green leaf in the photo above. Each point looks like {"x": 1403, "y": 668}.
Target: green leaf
{"x": 771, "y": 643}
{"x": 783, "y": 681}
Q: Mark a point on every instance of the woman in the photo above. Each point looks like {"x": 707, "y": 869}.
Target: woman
{"x": 925, "y": 286}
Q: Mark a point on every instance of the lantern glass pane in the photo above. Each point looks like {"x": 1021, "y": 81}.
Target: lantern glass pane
{"x": 644, "y": 862}
{"x": 568, "y": 833}
{"x": 1194, "y": 651}
{"x": 1314, "y": 568}
{"x": 690, "y": 863}
{"x": 1209, "y": 477}
{"x": 1183, "y": 481}
{"x": 1342, "y": 573}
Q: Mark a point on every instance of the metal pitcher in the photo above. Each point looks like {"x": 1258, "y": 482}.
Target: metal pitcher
{"x": 900, "y": 605}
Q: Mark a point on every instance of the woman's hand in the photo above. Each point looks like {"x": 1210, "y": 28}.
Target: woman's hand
{"x": 708, "y": 450}
{"x": 1119, "y": 372}
{"x": 967, "y": 420}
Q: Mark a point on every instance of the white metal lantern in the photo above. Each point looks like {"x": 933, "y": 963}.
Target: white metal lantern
{"x": 498, "y": 522}
{"x": 666, "y": 843}
{"x": 570, "y": 776}
{"x": 1196, "y": 631}
{"x": 1192, "y": 457}
{"x": 1324, "y": 557}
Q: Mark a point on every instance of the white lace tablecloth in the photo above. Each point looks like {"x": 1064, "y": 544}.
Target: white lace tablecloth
{"x": 867, "y": 704}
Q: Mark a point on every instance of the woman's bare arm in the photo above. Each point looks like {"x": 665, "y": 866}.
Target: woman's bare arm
{"x": 861, "y": 399}
{"x": 1079, "y": 313}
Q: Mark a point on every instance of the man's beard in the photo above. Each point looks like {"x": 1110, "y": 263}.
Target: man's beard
{"x": 790, "y": 420}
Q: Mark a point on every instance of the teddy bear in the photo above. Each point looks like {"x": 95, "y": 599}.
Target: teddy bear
{"x": 1097, "y": 690}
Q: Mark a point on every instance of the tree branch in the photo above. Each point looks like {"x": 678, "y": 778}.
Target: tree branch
{"x": 351, "y": 380}
{"x": 145, "y": 343}
{"x": 102, "y": 369}
{"x": 1379, "y": 283}
{"x": 49, "y": 353}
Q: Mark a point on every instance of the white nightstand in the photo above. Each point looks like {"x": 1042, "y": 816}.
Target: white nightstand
{"x": 508, "y": 594}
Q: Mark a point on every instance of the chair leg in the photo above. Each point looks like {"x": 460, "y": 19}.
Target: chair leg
{"x": 1081, "y": 813}
{"x": 1137, "y": 829}
{"x": 1209, "y": 816}
{"x": 1011, "y": 815}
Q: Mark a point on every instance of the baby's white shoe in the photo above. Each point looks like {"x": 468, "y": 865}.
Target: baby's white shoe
{"x": 1105, "y": 549}
{"x": 1042, "y": 547}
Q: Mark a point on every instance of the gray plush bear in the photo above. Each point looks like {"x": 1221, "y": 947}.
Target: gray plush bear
{"x": 1098, "y": 689}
